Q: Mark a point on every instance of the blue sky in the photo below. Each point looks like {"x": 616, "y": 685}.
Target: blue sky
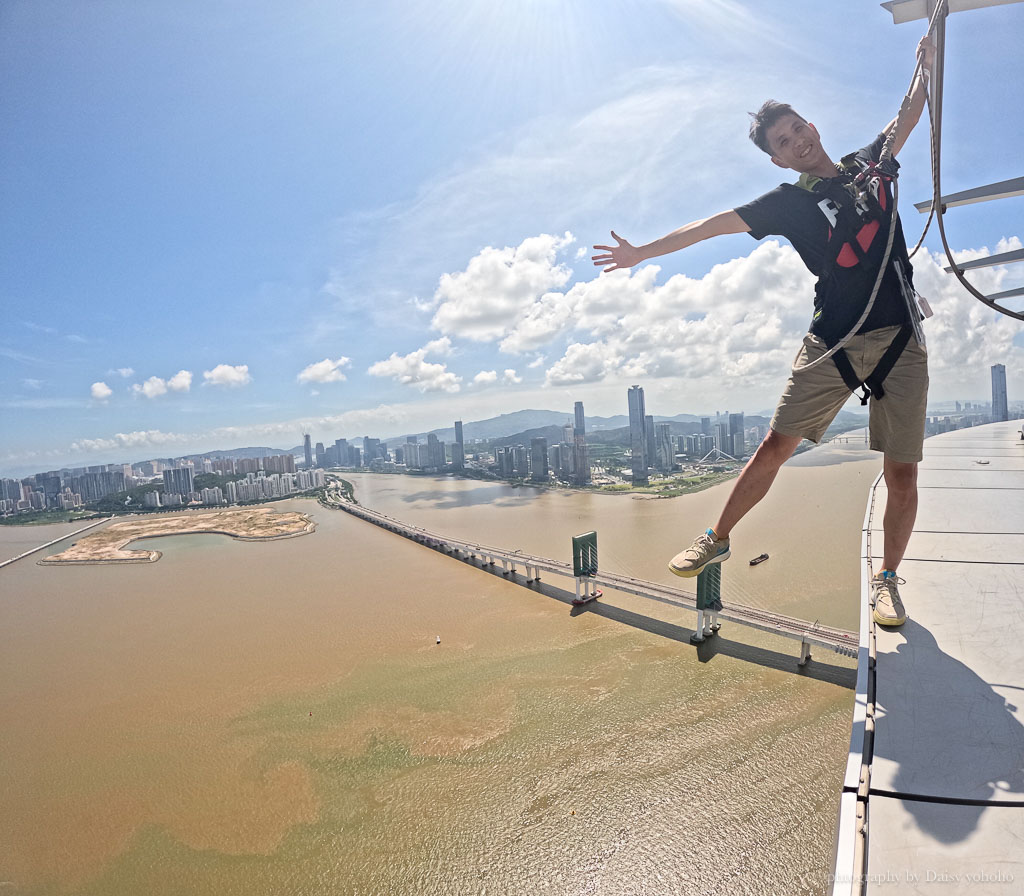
{"x": 229, "y": 223}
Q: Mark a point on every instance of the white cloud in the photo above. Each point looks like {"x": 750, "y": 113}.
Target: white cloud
{"x": 414, "y": 370}
{"x": 442, "y": 346}
{"x": 965, "y": 336}
{"x": 227, "y": 375}
{"x": 498, "y": 287}
{"x": 485, "y": 378}
{"x": 325, "y": 371}
{"x": 101, "y": 391}
{"x": 150, "y": 438}
{"x": 124, "y": 372}
{"x": 154, "y": 387}
{"x": 510, "y": 378}
{"x": 742, "y": 318}
{"x": 181, "y": 381}
{"x": 582, "y": 364}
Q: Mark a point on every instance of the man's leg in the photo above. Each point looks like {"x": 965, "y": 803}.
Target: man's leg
{"x": 898, "y": 522}
{"x": 753, "y": 484}
{"x": 900, "y": 510}
{"x": 755, "y": 480}
{"x": 812, "y": 398}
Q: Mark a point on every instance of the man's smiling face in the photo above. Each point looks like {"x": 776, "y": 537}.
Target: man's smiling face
{"x": 795, "y": 144}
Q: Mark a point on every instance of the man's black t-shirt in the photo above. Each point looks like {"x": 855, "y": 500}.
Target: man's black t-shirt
{"x": 806, "y": 213}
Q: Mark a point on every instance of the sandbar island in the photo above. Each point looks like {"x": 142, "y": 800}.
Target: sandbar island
{"x": 108, "y": 544}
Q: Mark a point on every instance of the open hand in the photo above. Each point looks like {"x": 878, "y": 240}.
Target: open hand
{"x": 623, "y": 255}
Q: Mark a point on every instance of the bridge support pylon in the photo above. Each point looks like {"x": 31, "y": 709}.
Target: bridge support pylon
{"x": 709, "y": 602}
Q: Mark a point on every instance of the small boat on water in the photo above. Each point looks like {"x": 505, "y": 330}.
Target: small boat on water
{"x": 760, "y": 558}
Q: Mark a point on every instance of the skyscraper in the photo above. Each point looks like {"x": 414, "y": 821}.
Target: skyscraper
{"x": 307, "y": 444}
{"x": 581, "y": 460}
{"x": 539, "y": 459}
{"x": 371, "y": 450}
{"x": 1000, "y": 406}
{"x": 737, "y": 436}
{"x": 435, "y": 452}
{"x": 638, "y": 434}
{"x": 664, "y": 455}
{"x": 459, "y": 448}
{"x": 178, "y": 481}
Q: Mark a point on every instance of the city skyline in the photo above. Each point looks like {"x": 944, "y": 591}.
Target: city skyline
{"x": 652, "y": 447}
{"x": 574, "y": 420}
{"x": 222, "y": 232}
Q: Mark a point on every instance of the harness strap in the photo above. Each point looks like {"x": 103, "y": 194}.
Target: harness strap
{"x": 872, "y": 383}
{"x": 853, "y": 382}
{"x": 892, "y": 354}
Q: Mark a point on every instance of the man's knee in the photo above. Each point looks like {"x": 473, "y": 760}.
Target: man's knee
{"x": 777, "y": 448}
{"x": 900, "y": 478}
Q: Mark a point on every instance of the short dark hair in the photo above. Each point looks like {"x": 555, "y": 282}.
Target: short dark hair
{"x": 769, "y": 113}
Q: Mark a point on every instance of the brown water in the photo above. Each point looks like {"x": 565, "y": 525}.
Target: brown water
{"x": 267, "y": 718}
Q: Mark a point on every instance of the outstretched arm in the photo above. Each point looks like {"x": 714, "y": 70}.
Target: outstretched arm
{"x": 625, "y": 255}
{"x": 918, "y": 91}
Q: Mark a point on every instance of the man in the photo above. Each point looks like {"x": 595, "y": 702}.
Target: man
{"x": 839, "y": 224}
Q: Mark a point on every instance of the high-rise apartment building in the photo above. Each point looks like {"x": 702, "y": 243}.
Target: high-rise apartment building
{"x": 638, "y": 434}
{"x": 371, "y": 450}
{"x": 520, "y": 461}
{"x": 664, "y": 456}
{"x": 723, "y": 441}
{"x": 539, "y": 459}
{"x": 737, "y": 436}
{"x": 279, "y": 463}
{"x": 581, "y": 460}
{"x": 1000, "y": 405}
{"x": 436, "y": 457}
{"x": 178, "y": 481}
{"x": 458, "y": 448}
{"x": 344, "y": 453}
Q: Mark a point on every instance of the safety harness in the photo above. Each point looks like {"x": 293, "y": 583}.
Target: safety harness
{"x": 857, "y": 192}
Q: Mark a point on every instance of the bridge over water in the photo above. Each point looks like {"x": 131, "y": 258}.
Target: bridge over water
{"x": 808, "y": 634}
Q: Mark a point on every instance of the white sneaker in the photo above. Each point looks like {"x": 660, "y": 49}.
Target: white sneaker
{"x": 706, "y": 549}
{"x": 885, "y": 597}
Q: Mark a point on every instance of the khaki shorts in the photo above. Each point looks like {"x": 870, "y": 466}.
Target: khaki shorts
{"x": 813, "y": 397}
